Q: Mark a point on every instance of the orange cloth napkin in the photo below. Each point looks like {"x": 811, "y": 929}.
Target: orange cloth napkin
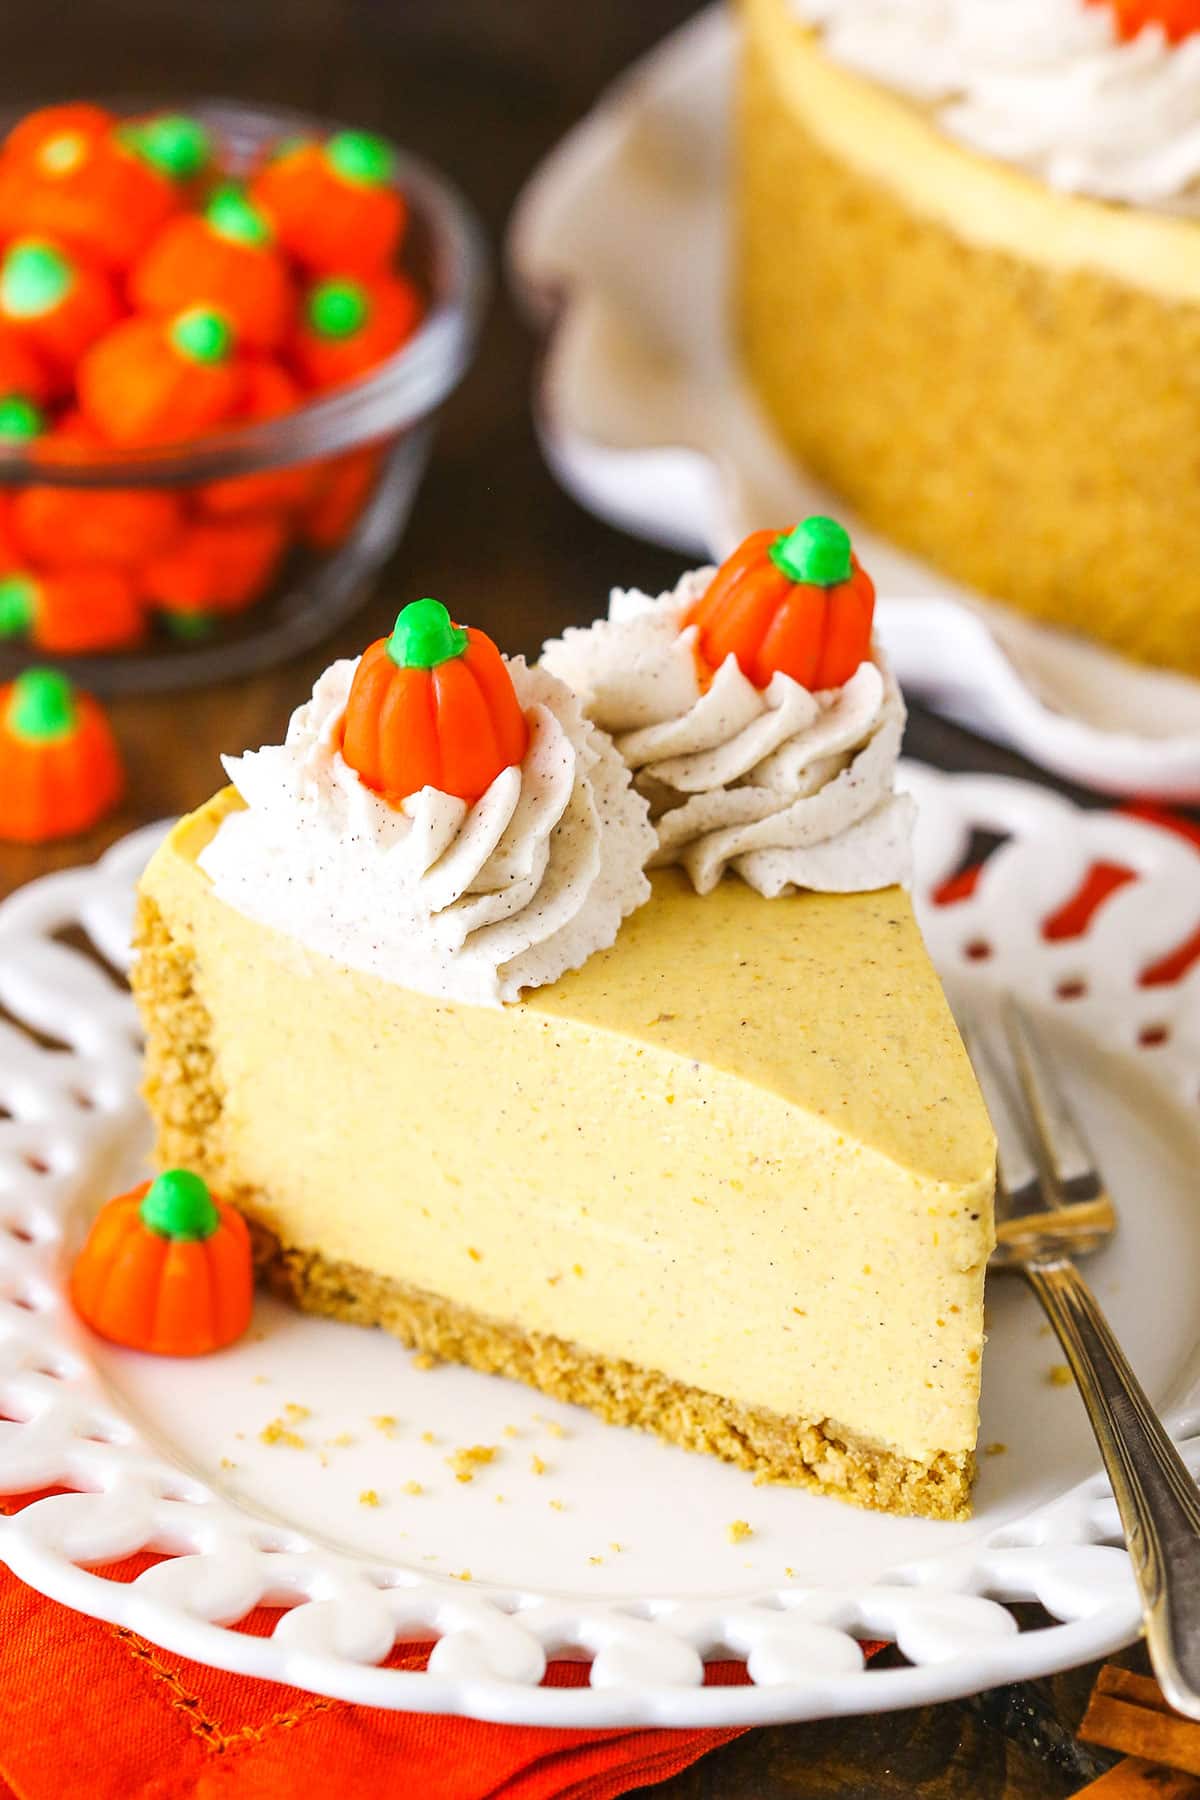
{"x": 88, "y": 1709}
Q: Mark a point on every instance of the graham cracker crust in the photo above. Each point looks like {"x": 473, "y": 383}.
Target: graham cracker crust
{"x": 183, "y": 1090}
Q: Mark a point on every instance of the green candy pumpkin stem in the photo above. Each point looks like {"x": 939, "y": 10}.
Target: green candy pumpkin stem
{"x": 816, "y": 551}
{"x": 18, "y": 604}
{"x": 42, "y": 706}
{"x": 178, "y": 1205}
{"x": 425, "y": 636}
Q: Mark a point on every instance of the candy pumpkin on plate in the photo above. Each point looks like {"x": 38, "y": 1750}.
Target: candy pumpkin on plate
{"x": 793, "y": 602}
{"x": 166, "y": 1268}
{"x": 432, "y": 705}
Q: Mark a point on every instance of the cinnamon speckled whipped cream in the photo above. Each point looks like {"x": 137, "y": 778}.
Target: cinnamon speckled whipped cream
{"x": 471, "y": 903}
{"x": 788, "y": 788}
{"x": 1044, "y": 84}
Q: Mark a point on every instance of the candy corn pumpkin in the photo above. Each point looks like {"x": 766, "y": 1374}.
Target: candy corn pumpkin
{"x": 51, "y": 134}
{"x": 73, "y": 527}
{"x": 214, "y": 566}
{"x": 60, "y": 770}
{"x": 1177, "y": 19}
{"x": 793, "y": 602}
{"x": 166, "y": 1268}
{"x": 73, "y": 612}
{"x": 433, "y": 705}
{"x": 344, "y": 485}
{"x": 21, "y": 370}
{"x": 348, "y": 326}
{"x": 55, "y": 304}
{"x": 223, "y": 259}
{"x": 268, "y": 392}
{"x": 86, "y": 189}
{"x": 334, "y": 206}
{"x": 174, "y": 144}
{"x": 161, "y": 381}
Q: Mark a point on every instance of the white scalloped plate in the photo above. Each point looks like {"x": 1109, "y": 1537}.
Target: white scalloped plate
{"x": 619, "y": 1550}
{"x": 618, "y": 246}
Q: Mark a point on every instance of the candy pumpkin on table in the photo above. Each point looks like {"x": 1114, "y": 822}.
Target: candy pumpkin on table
{"x": 349, "y": 325}
{"x": 86, "y": 188}
{"x": 224, "y": 259}
{"x": 793, "y": 602}
{"x": 55, "y": 304}
{"x": 166, "y": 1268}
{"x": 60, "y": 770}
{"x": 161, "y": 381}
{"x": 72, "y": 612}
{"x": 433, "y": 705}
{"x": 333, "y": 204}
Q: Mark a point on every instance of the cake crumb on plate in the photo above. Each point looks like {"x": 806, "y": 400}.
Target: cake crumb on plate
{"x": 738, "y": 1530}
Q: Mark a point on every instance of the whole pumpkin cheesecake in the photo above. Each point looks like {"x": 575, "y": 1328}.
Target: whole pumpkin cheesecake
{"x": 698, "y": 1148}
{"x": 966, "y": 289}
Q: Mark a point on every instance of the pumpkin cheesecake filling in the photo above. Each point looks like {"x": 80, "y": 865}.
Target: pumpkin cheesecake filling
{"x": 729, "y": 1178}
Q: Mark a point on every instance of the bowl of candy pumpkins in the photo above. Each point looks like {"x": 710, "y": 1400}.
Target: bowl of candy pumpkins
{"x": 225, "y": 333}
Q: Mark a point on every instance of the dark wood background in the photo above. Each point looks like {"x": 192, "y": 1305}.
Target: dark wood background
{"x": 484, "y": 88}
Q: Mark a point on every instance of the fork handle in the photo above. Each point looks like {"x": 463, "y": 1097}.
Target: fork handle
{"x": 1156, "y": 1496}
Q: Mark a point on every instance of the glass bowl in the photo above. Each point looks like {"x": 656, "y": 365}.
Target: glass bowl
{"x": 379, "y": 427}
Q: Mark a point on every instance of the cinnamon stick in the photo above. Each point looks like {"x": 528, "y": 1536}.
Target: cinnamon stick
{"x": 1135, "y": 1779}
{"x": 1127, "y": 1712}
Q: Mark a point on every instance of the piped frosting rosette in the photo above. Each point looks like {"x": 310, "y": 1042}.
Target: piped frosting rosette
{"x": 1100, "y": 99}
{"x": 791, "y": 786}
{"x": 468, "y": 896}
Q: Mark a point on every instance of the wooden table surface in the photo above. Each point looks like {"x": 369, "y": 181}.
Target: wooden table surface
{"x": 484, "y": 88}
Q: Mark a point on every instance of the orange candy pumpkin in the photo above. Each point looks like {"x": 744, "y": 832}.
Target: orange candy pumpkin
{"x": 50, "y": 125}
{"x": 223, "y": 259}
{"x": 161, "y": 381}
{"x": 793, "y": 602}
{"x": 65, "y": 528}
{"x": 350, "y": 324}
{"x": 268, "y": 392}
{"x": 55, "y": 304}
{"x": 86, "y": 188}
{"x": 21, "y": 370}
{"x": 333, "y": 205}
{"x": 215, "y": 566}
{"x": 433, "y": 705}
{"x": 60, "y": 770}
{"x": 344, "y": 485}
{"x": 72, "y": 612}
{"x": 166, "y": 1268}
{"x": 1178, "y": 18}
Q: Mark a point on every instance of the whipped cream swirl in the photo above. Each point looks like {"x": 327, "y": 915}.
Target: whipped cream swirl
{"x": 787, "y": 788}
{"x": 471, "y": 903}
{"x": 1044, "y": 84}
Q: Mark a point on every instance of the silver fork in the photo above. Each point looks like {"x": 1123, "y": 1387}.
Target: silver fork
{"x": 1051, "y": 1202}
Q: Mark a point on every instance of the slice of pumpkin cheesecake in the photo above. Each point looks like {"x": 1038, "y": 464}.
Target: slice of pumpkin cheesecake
{"x": 712, "y": 1164}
